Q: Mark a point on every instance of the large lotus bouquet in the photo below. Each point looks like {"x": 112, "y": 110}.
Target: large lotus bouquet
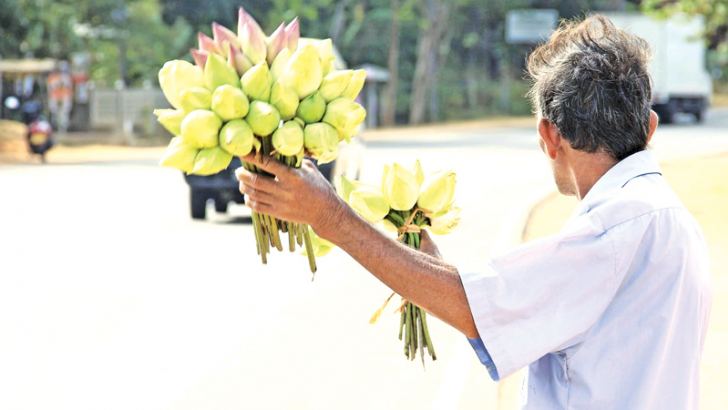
{"x": 277, "y": 95}
{"x": 407, "y": 202}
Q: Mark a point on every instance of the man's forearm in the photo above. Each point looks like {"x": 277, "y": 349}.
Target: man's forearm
{"x": 425, "y": 280}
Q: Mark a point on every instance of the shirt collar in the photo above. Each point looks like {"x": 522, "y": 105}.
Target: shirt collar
{"x": 634, "y": 166}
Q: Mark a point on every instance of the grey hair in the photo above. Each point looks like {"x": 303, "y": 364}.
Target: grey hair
{"x": 590, "y": 80}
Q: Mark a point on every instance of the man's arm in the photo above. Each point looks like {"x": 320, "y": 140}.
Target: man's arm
{"x": 303, "y": 195}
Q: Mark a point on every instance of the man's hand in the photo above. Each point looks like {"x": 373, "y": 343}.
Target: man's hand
{"x": 300, "y": 195}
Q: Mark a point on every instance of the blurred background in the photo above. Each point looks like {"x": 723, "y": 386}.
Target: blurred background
{"x": 126, "y": 285}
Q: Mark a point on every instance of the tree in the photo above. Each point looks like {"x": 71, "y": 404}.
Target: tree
{"x": 389, "y": 95}
{"x": 714, "y": 11}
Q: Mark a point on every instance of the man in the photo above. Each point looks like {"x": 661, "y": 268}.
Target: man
{"x": 610, "y": 313}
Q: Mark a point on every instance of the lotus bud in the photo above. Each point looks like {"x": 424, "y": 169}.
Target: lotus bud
{"x": 211, "y": 161}
{"x": 200, "y": 57}
{"x": 209, "y": 45}
{"x": 303, "y": 72}
{"x": 312, "y": 108}
{"x": 257, "y": 82}
{"x": 400, "y": 187}
{"x": 369, "y": 203}
{"x": 288, "y": 139}
{"x": 445, "y": 222}
{"x": 300, "y": 122}
{"x": 224, "y": 36}
{"x": 195, "y": 98}
{"x": 419, "y": 173}
{"x": 237, "y": 138}
{"x": 355, "y": 85}
{"x": 344, "y": 186}
{"x": 345, "y": 115}
{"x": 326, "y": 54}
{"x": 170, "y": 119}
{"x": 245, "y": 19}
{"x": 280, "y": 63}
{"x": 218, "y": 72}
{"x": 284, "y": 100}
{"x": 229, "y": 102}
{"x": 334, "y": 84}
{"x": 322, "y": 141}
{"x": 293, "y": 33}
{"x": 200, "y": 127}
{"x": 437, "y": 192}
{"x": 253, "y": 42}
{"x": 319, "y": 245}
{"x": 276, "y": 43}
{"x": 179, "y": 155}
{"x": 388, "y": 226}
{"x": 238, "y": 61}
{"x": 263, "y": 118}
{"x": 176, "y": 76}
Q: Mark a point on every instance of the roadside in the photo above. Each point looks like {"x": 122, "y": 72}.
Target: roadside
{"x": 700, "y": 183}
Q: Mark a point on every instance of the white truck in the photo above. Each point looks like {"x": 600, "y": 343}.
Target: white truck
{"x": 680, "y": 81}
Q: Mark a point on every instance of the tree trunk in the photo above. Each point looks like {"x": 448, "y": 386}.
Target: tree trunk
{"x": 389, "y": 94}
{"x": 428, "y": 50}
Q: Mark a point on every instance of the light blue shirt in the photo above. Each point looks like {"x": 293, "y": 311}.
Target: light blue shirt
{"x": 610, "y": 313}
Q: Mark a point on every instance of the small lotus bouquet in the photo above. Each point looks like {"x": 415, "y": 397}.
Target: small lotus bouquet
{"x": 277, "y": 95}
{"x": 406, "y": 203}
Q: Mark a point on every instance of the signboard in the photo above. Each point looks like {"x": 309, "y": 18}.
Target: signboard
{"x": 529, "y": 26}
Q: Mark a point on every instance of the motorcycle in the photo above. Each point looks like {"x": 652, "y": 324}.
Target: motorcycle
{"x": 40, "y": 133}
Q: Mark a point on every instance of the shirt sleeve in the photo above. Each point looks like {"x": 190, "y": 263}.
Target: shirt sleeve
{"x": 543, "y": 296}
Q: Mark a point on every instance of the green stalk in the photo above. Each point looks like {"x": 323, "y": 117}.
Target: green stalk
{"x": 407, "y": 329}
{"x": 401, "y": 323}
{"x": 309, "y": 250}
{"x": 428, "y": 340}
{"x": 291, "y": 228}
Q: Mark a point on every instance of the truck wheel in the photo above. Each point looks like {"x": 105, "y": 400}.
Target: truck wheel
{"x": 198, "y": 204}
{"x": 221, "y": 206}
{"x": 699, "y": 116}
{"x": 666, "y": 114}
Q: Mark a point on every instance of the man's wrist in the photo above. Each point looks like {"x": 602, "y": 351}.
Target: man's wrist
{"x": 329, "y": 225}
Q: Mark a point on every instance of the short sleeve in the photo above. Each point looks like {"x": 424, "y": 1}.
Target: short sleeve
{"x": 543, "y": 296}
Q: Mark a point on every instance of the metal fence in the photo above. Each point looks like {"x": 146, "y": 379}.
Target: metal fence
{"x": 126, "y": 111}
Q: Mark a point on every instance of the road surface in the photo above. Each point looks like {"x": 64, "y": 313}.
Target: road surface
{"x": 111, "y": 297}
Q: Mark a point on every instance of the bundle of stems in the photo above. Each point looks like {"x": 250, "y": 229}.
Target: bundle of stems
{"x": 267, "y": 228}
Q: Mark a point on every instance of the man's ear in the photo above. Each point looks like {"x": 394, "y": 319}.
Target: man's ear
{"x": 550, "y": 136}
{"x": 654, "y": 120}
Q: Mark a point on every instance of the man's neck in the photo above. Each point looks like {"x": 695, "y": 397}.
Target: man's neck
{"x": 586, "y": 169}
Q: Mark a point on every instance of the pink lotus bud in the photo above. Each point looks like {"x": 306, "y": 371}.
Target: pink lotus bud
{"x": 200, "y": 57}
{"x": 276, "y": 42}
{"x": 223, "y": 35}
{"x": 293, "y": 32}
{"x": 247, "y": 19}
{"x": 207, "y": 44}
{"x": 253, "y": 44}
{"x": 237, "y": 60}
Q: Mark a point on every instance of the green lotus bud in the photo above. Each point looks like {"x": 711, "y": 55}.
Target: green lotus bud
{"x": 195, "y": 98}
{"x": 345, "y": 115}
{"x": 284, "y": 99}
{"x": 322, "y": 141}
{"x": 237, "y": 138}
{"x": 311, "y": 108}
{"x": 288, "y": 139}
{"x": 229, "y": 102}
{"x": 369, "y": 203}
{"x": 263, "y": 118}
{"x": 200, "y": 127}
{"x": 334, "y": 84}
{"x": 170, "y": 119}
{"x": 303, "y": 72}
{"x": 325, "y": 49}
{"x": 444, "y": 223}
{"x": 419, "y": 174}
{"x": 355, "y": 85}
{"x": 176, "y": 76}
{"x": 344, "y": 186}
{"x": 211, "y": 161}
{"x": 218, "y": 72}
{"x": 179, "y": 155}
{"x": 400, "y": 187}
{"x": 280, "y": 63}
{"x": 300, "y": 122}
{"x": 257, "y": 82}
{"x": 437, "y": 192}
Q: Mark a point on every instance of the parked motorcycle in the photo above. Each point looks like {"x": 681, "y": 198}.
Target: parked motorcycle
{"x": 40, "y": 133}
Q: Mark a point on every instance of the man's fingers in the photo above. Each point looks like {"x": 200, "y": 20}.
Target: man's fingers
{"x": 257, "y": 181}
{"x": 260, "y": 207}
{"x": 267, "y": 163}
{"x": 257, "y": 195}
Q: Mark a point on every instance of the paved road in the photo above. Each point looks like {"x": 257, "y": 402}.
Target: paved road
{"x": 110, "y": 297}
